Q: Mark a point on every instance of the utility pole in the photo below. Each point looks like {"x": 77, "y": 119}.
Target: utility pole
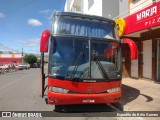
{"x": 22, "y": 55}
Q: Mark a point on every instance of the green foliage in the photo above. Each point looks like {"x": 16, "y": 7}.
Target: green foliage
{"x": 30, "y": 59}
{"x": 38, "y": 61}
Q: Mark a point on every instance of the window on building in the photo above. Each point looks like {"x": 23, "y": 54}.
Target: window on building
{"x": 135, "y": 0}
{"x": 90, "y": 3}
{"x": 155, "y": 0}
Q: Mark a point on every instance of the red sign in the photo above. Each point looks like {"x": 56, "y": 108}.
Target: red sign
{"x": 146, "y": 18}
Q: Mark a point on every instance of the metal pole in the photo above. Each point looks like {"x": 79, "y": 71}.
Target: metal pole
{"x": 22, "y": 56}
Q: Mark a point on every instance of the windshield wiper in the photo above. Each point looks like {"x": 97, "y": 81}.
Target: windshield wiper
{"x": 77, "y": 64}
{"x": 103, "y": 72}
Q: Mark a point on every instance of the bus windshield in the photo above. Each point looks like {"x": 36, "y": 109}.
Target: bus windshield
{"x": 83, "y": 58}
{"x": 65, "y": 25}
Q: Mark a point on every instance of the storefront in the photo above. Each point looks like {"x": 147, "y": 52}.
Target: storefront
{"x": 144, "y": 28}
{"x": 10, "y": 58}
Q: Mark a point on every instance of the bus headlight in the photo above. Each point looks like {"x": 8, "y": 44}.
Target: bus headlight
{"x": 113, "y": 90}
{"x": 58, "y": 90}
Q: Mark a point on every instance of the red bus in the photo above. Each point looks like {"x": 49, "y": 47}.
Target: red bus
{"x": 85, "y": 61}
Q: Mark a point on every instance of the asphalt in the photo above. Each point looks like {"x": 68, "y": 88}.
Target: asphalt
{"x": 140, "y": 95}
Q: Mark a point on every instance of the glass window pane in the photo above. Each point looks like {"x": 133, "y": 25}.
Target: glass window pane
{"x": 83, "y": 27}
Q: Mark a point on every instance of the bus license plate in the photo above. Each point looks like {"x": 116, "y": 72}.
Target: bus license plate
{"x": 88, "y": 101}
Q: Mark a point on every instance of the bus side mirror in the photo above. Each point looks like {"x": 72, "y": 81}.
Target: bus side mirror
{"x": 44, "y": 41}
{"x": 133, "y": 48}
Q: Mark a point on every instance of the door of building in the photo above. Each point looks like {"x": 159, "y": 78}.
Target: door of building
{"x": 134, "y": 68}
{"x": 147, "y": 59}
{"x": 126, "y": 62}
{"x": 158, "y": 60}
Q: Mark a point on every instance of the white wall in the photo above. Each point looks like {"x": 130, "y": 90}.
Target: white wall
{"x": 73, "y": 6}
{"x": 139, "y": 5}
{"x": 134, "y": 68}
{"x": 147, "y": 59}
{"x": 96, "y": 8}
{"x": 66, "y": 6}
{"x": 85, "y": 6}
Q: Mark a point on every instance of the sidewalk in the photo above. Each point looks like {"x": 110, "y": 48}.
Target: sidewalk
{"x": 140, "y": 95}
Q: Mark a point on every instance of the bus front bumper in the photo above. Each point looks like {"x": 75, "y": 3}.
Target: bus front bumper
{"x": 64, "y": 99}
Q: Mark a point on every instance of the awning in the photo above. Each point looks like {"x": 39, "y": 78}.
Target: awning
{"x": 144, "y": 19}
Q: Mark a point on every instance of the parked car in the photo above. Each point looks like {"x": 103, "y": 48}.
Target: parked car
{"x": 35, "y": 65}
{"x": 24, "y": 66}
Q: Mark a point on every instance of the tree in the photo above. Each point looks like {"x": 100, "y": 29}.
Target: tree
{"x": 30, "y": 59}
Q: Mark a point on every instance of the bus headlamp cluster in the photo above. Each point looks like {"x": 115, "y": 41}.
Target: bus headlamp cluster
{"x": 62, "y": 90}
{"x": 113, "y": 90}
{"x": 58, "y": 90}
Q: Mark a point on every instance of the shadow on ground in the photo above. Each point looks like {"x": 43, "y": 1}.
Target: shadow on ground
{"x": 129, "y": 94}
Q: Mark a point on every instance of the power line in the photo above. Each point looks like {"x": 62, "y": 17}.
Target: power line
{"x": 8, "y": 48}
{"x": 21, "y": 5}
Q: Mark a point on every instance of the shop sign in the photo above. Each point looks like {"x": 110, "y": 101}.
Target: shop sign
{"x": 144, "y": 19}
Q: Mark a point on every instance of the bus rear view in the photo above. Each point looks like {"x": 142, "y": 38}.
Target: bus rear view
{"x": 84, "y": 60}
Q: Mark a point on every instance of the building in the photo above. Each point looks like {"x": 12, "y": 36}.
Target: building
{"x": 106, "y": 8}
{"x": 143, "y": 26}
{"x": 8, "y": 58}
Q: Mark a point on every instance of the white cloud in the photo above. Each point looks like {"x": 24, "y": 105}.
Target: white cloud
{"x": 34, "y": 22}
{"x": 2, "y": 15}
{"x": 30, "y": 42}
{"x": 34, "y": 50}
{"x": 47, "y": 11}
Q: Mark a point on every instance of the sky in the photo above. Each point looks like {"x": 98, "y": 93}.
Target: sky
{"x": 23, "y": 21}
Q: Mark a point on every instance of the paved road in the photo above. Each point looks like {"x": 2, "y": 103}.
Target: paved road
{"x": 20, "y": 91}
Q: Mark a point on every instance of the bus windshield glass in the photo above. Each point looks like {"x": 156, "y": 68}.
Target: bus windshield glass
{"x": 65, "y": 25}
{"x": 83, "y": 58}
